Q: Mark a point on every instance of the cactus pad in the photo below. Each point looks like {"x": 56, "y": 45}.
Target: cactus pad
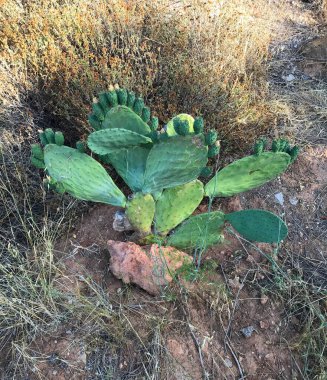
{"x": 176, "y": 204}
{"x": 124, "y": 117}
{"x": 107, "y": 141}
{"x": 130, "y": 165}
{"x": 81, "y": 176}
{"x": 174, "y": 162}
{"x": 201, "y": 231}
{"x": 258, "y": 225}
{"x": 247, "y": 173}
{"x": 184, "y": 117}
{"x": 140, "y": 212}
{"x": 119, "y": 108}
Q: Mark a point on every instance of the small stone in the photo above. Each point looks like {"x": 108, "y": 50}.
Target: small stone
{"x": 264, "y": 325}
{"x": 280, "y": 198}
{"x": 288, "y": 78}
{"x": 293, "y": 201}
{"x": 264, "y": 299}
{"x": 247, "y": 331}
{"x": 235, "y": 283}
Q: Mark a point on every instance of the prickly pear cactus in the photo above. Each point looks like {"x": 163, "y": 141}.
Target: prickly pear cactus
{"x": 258, "y": 225}
{"x": 81, "y": 176}
{"x": 176, "y": 204}
{"x": 140, "y": 212}
{"x": 173, "y": 162}
{"x": 162, "y": 167}
{"x": 247, "y": 173}
{"x": 110, "y": 140}
{"x": 199, "y": 231}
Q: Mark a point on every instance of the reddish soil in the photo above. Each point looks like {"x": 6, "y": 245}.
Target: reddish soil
{"x": 205, "y": 320}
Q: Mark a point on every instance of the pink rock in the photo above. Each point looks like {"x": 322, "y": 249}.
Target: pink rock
{"x": 150, "y": 267}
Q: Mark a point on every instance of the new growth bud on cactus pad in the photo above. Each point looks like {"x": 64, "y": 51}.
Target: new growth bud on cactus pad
{"x": 161, "y": 167}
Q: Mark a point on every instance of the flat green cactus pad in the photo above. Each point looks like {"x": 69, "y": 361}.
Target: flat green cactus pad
{"x": 247, "y": 173}
{"x": 174, "y": 162}
{"x": 140, "y": 212}
{"x": 107, "y": 141}
{"x": 124, "y": 117}
{"x": 258, "y": 225}
{"x": 176, "y": 204}
{"x": 130, "y": 165}
{"x": 199, "y": 231}
{"x": 170, "y": 130}
{"x": 81, "y": 176}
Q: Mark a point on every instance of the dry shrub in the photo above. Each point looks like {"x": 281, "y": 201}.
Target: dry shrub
{"x": 193, "y": 56}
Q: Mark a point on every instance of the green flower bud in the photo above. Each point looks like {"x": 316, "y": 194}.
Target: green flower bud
{"x": 213, "y": 151}
{"x": 275, "y": 147}
{"x": 112, "y": 98}
{"x": 211, "y": 137}
{"x": 130, "y": 99}
{"x": 138, "y": 106}
{"x": 37, "y": 163}
{"x": 206, "y": 172}
{"x": 198, "y": 125}
{"x": 80, "y": 146}
{"x": 181, "y": 127}
{"x": 98, "y": 111}
{"x": 37, "y": 151}
{"x": 294, "y": 152}
{"x": 146, "y": 113}
{"x": 59, "y": 138}
{"x": 122, "y": 96}
{"x": 43, "y": 138}
{"x": 154, "y": 123}
{"x": 49, "y": 134}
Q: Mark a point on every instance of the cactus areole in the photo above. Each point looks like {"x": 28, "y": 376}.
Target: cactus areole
{"x": 162, "y": 167}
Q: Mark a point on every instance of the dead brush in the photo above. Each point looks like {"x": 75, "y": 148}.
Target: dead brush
{"x": 207, "y": 61}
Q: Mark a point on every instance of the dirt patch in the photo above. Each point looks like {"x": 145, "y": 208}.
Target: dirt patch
{"x": 314, "y": 55}
{"x": 205, "y": 320}
{"x": 63, "y": 357}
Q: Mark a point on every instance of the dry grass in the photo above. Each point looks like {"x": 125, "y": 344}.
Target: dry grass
{"x": 56, "y": 55}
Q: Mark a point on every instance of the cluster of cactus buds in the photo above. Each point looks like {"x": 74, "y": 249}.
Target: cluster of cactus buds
{"x": 162, "y": 168}
{"x": 126, "y": 100}
{"x": 212, "y": 142}
{"x": 279, "y": 145}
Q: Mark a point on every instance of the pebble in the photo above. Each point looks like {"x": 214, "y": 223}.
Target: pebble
{"x": 264, "y": 299}
{"x": 280, "y": 198}
{"x": 288, "y": 78}
{"x": 293, "y": 201}
{"x": 247, "y": 331}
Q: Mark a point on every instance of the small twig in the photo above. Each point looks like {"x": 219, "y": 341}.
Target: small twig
{"x": 225, "y": 278}
{"x": 236, "y": 361}
{"x": 229, "y": 327}
{"x": 195, "y": 339}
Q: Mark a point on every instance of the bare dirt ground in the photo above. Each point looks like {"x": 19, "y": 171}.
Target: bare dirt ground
{"x": 204, "y": 320}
